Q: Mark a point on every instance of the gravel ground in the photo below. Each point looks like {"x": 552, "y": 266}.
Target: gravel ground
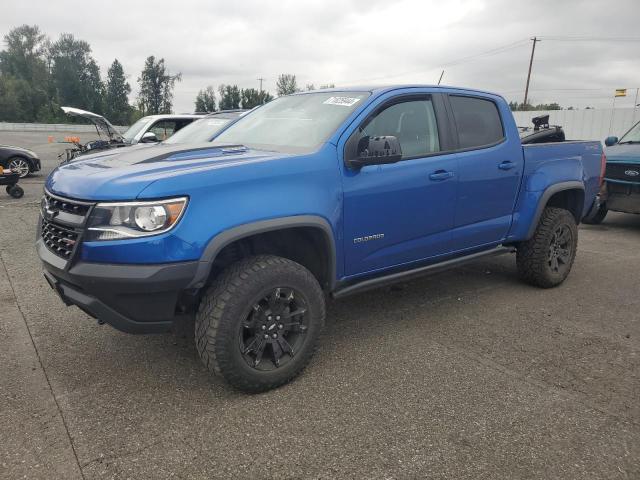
{"x": 467, "y": 374}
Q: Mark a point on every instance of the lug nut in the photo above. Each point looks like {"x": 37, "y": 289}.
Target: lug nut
{"x": 280, "y": 326}
{"x": 275, "y": 335}
{"x": 266, "y": 335}
{"x": 277, "y": 317}
{"x": 264, "y": 327}
{"x": 269, "y": 318}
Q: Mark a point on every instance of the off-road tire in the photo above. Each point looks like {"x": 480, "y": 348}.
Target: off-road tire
{"x": 598, "y": 217}
{"x": 533, "y": 255}
{"x": 228, "y": 301}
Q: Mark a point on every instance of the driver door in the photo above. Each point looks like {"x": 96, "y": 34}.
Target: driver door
{"x": 403, "y": 212}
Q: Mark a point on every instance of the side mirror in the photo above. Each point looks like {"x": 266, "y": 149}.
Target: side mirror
{"x": 609, "y": 141}
{"x": 149, "y": 137}
{"x": 376, "y": 151}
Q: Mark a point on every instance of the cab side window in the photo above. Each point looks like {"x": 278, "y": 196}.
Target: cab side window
{"x": 413, "y": 122}
{"x": 477, "y": 120}
{"x": 163, "y": 129}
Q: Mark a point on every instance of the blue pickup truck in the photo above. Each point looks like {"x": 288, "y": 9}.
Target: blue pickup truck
{"x": 312, "y": 196}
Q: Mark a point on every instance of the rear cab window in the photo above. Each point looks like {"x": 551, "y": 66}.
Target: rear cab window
{"x": 477, "y": 121}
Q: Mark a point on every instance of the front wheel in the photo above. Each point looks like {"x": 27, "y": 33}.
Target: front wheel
{"x": 259, "y": 322}
{"x": 20, "y": 166}
{"x": 545, "y": 259}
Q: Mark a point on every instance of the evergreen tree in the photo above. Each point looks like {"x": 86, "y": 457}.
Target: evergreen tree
{"x": 117, "y": 95}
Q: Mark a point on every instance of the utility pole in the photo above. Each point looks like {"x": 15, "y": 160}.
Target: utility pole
{"x": 260, "y": 80}
{"x": 533, "y": 50}
{"x": 441, "y": 75}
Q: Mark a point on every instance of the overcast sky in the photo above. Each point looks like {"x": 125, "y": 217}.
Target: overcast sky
{"x": 349, "y": 42}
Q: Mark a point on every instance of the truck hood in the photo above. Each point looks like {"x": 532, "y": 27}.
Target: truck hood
{"x": 122, "y": 174}
{"x": 627, "y": 153}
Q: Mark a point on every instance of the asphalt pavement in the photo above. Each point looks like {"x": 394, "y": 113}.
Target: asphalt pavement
{"x": 465, "y": 374}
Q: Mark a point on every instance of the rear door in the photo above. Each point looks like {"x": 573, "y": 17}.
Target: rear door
{"x": 490, "y": 167}
{"x": 399, "y": 213}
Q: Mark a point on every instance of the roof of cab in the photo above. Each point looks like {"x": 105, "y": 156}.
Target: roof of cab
{"x": 379, "y": 89}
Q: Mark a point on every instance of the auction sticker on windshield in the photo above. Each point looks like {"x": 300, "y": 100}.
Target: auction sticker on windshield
{"x": 344, "y": 101}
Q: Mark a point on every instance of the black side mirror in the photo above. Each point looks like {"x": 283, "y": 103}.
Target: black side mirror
{"x": 376, "y": 151}
{"x": 149, "y": 137}
{"x": 609, "y": 141}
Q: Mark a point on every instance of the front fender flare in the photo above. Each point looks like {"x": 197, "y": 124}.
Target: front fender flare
{"x": 248, "y": 229}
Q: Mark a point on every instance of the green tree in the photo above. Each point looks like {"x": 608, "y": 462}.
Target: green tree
{"x": 117, "y": 95}
{"x": 250, "y": 97}
{"x": 230, "y": 97}
{"x": 24, "y": 74}
{"x": 76, "y": 75}
{"x": 156, "y": 87}
{"x": 206, "y": 100}
{"x": 286, "y": 84}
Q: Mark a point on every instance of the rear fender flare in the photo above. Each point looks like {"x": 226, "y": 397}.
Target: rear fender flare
{"x": 544, "y": 199}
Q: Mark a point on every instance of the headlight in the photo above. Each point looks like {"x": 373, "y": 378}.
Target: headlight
{"x": 115, "y": 221}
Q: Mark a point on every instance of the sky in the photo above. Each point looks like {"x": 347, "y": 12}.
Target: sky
{"x": 588, "y": 48}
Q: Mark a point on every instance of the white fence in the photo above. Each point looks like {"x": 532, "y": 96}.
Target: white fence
{"x": 592, "y": 124}
{"x": 51, "y": 127}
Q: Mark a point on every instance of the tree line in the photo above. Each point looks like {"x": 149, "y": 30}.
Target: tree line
{"x": 38, "y": 76}
{"x": 232, "y": 97}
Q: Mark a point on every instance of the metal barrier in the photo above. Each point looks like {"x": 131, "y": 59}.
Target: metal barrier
{"x": 51, "y": 127}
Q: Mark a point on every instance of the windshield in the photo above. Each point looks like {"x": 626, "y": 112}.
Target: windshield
{"x": 201, "y": 130}
{"x": 134, "y": 129}
{"x": 632, "y": 136}
{"x": 293, "y": 124}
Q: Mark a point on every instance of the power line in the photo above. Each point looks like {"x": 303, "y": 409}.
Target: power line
{"x": 487, "y": 53}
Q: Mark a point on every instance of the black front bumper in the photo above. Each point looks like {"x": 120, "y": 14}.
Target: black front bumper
{"x": 131, "y": 298}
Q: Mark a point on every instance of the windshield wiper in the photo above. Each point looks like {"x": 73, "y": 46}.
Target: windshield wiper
{"x": 628, "y": 142}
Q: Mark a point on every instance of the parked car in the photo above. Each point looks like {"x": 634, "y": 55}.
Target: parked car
{"x": 206, "y": 128}
{"x": 315, "y": 195}
{"x": 19, "y": 160}
{"x": 150, "y": 129}
{"x": 621, "y": 188}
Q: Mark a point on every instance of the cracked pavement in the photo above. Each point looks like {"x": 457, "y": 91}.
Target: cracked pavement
{"x": 466, "y": 374}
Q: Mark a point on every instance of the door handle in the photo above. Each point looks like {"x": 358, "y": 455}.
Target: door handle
{"x": 440, "y": 175}
{"x": 506, "y": 165}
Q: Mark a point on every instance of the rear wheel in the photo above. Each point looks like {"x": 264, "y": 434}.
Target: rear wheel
{"x": 259, "y": 322}
{"x": 545, "y": 260}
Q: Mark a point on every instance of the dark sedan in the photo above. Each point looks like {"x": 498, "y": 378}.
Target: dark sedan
{"x": 19, "y": 160}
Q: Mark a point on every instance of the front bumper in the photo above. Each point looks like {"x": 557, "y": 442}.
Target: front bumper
{"x": 131, "y": 298}
{"x": 623, "y": 196}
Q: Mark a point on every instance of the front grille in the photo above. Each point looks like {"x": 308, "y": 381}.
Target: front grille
{"x": 628, "y": 172}
{"x": 68, "y": 206}
{"x": 60, "y": 240}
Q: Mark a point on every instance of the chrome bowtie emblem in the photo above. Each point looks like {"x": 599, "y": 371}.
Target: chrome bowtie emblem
{"x": 632, "y": 173}
{"x": 45, "y": 208}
